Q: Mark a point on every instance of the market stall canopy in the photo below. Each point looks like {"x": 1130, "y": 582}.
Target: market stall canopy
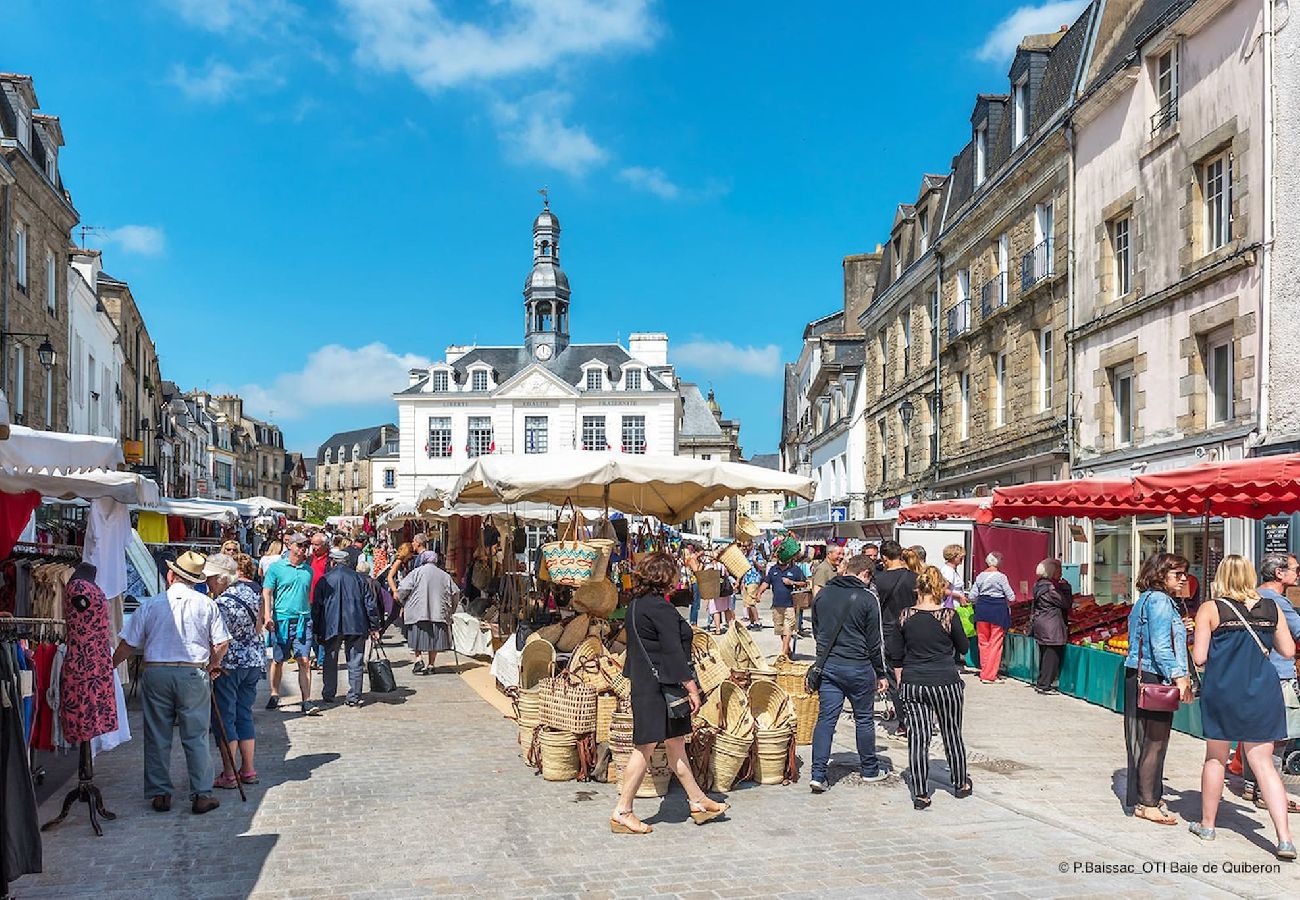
{"x": 269, "y": 504}
{"x": 1092, "y": 498}
{"x": 975, "y": 508}
{"x": 400, "y": 513}
{"x": 28, "y": 448}
{"x": 212, "y": 511}
{"x": 1239, "y": 488}
{"x": 433, "y": 498}
{"x": 83, "y": 483}
{"x": 527, "y": 513}
{"x": 671, "y": 488}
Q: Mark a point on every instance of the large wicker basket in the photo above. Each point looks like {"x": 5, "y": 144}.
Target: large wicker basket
{"x": 773, "y": 754}
{"x": 805, "y": 708}
{"x": 735, "y": 560}
{"x": 729, "y": 756}
{"x": 709, "y": 582}
{"x": 536, "y": 663}
{"x": 567, "y": 705}
{"x": 606, "y": 706}
{"x": 790, "y": 675}
{"x": 770, "y": 706}
{"x": 559, "y": 752}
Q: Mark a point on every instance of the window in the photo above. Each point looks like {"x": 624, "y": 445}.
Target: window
{"x": 480, "y": 436}
{"x": 706, "y": 456}
{"x": 981, "y": 154}
{"x": 1000, "y": 391}
{"x": 535, "y": 434}
{"x": 1003, "y": 249}
{"x": 593, "y": 433}
{"x": 632, "y": 380}
{"x": 959, "y": 315}
{"x": 1166, "y": 85}
{"x": 440, "y": 380}
{"x": 1045, "y": 375}
{"x": 882, "y": 341}
{"x": 1123, "y": 256}
{"x": 51, "y": 284}
{"x": 390, "y": 478}
{"x": 907, "y": 342}
{"x": 479, "y": 380}
{"x": 776, "y": 507}
{"x": 898, "y": 257}
{"x": 20, "y": 383}
{"x": 753, "y": 507}
{"x": 923, "y": 223}
{"x": 1216, "y": 188}
{"x": 1218, "y": 372}
{"x": 963, "y": 409}
{"x": 1121, "y": 389}
{"x": 439, "y": 445}
{"x": 882, "y": 435}
{"x": 1020, "y": 111}
{"x": 329, "y": 455}
{"x": 20, "y": 255}
{"x": 594, "y": 380}
{"x": 634, "y": 434}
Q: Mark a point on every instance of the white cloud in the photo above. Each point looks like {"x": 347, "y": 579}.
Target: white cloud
{"x": 144, "y": 240}
{"x": 437, "y": 51}
{"x": 655, "y": 181}
{"x": 1000, "y": 44}
{"x": 333, "y": 376}
{"x": 235, "y": 16}
{"x": 534, "y": 131}
{"x": 211, "y": 85}
{"x": 724, "y": 356}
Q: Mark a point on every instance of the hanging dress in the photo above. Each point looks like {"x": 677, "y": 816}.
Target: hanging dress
{"x": 88, "y": 701}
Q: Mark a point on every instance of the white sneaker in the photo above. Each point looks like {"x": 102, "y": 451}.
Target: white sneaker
{"x": 880, "y": 776}
{"x": 818, "y": 787}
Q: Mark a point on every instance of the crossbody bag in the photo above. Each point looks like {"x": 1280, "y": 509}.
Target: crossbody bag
{"x": 675, "y": 696}
{"x": 813, "y": 678}
{"x": 1154, "y": 697}
{"x": 1251, "y": 629}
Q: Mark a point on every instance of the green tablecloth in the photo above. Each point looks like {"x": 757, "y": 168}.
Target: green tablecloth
{"x": 1087, "y": 673}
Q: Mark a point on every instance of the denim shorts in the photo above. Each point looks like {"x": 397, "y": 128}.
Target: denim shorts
{"x": 296, "y": 646}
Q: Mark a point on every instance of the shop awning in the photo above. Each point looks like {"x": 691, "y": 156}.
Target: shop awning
{"x": 974, "y": 508}
{"x": 209, "y": 510}
{"x": 1092, "y": 498}
{"x": 86, "y": 484}
{"x": 1239, "y": 488}
{"x": 28, "y": 448}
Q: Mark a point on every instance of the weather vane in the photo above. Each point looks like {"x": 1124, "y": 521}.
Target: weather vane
{"x": 546, "y": 200}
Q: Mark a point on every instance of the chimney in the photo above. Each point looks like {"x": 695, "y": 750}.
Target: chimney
{"x": 415, "y": 375}
{"x": 650, "y": 347}
{"x": 859, "y": 286}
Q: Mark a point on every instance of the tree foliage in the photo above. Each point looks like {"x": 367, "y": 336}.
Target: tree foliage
{"x": 317, "y": 507}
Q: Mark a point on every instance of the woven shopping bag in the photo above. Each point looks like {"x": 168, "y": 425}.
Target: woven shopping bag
{"x": 570, "y": 561}
{"x": 567, "y": 704}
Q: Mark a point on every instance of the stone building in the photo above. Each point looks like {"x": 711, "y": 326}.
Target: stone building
{"x": 259, "y": 450}
{"x": 296, "y": 477}
{"x": 37, "y": 220}
{"x": 141, "y": 378}
{"x": 95, "y": 357}
{"x": 1280, "y": 227}
{"x": 763, "y": 507}
{"x": 1004, "y": 287}
{"x": 703, "y": 433}
{"x": 186, "y": 469}
{"x": 346, "y": 465}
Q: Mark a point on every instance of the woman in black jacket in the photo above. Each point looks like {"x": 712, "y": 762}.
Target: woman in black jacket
{"x": 1049, "y": 623}
{"x": 659, "y": 657}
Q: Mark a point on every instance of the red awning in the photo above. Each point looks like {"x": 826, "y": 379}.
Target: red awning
{"x": 1244, "y": 488}
{"x": 976, "y": 508}
{"x": 1091, "y": 498}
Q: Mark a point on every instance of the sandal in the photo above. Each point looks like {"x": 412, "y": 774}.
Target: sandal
{"x": 1153, "y": 814}
{"x": 249, "y": 778}
{"x": 706, "y": 810}
{"x": 966, "y": 789}
{"x": 624, "y": 822}
{"x": 225, "y": 782}
{"x": 1291, "y": 806}
{"x": 920, "y": 802}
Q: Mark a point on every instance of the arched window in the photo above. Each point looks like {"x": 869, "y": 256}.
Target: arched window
{"x": 544, "y": 317}
{"x": 546, "y": 248}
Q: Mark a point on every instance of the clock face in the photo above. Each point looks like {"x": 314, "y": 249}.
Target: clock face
{"x": 543, "y": 352}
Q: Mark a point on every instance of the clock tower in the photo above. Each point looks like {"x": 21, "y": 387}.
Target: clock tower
{"x": 546, "y": 291}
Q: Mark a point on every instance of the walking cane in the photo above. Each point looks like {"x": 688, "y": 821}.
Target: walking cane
{"x": 226, "y": 755}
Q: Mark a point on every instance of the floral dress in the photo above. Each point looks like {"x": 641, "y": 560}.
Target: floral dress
{"x": 88, "y": 700}
{"x": 239, "y": 606}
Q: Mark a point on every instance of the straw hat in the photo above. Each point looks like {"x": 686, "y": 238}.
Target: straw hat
{"x": 189, "y": 566}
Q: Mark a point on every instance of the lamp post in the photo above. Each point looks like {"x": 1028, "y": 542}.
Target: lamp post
{"x": 905, "y": 412}
{"x": 46, "y": 353}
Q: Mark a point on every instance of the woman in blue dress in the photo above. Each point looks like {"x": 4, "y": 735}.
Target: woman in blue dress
{"x": 1241, "y": 697}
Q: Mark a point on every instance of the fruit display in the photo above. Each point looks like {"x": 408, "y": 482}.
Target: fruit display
{"x": 1100, "y": 626}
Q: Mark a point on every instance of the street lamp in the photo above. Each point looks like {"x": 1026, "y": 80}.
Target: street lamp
{"x": 905, "y": 412}
{"x": 46, "y": 353}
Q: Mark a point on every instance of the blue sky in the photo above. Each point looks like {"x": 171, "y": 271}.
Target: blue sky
{"x": 310, "y": 196}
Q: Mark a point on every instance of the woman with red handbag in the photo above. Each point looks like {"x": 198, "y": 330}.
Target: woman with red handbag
{"x": 1156, "y": 680}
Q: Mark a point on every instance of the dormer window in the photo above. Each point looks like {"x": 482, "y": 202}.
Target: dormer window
{"x": 441, "y": 380}
{"x": 478, "y": 380}
{"x": 898, "y": 257}
{"x": 356, "y": 452}
{"x": 981, "y": 153}
{"x": 595, "y": 379}
{"x": 343, "y": 454}
{"x": 329, "y": 456}
{"x": 923, "y": 224}
{"x": 1020, "y": 111}
{"x": 632, "y": 380}
{"x": 1165, "y": 82}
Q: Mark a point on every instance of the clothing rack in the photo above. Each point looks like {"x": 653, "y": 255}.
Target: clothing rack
{"x": 38, "y": 626}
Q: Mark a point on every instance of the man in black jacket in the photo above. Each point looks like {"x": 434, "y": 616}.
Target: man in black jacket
{"x": 846, "y": 623}
{"x": 896, "y": 587}
{"x": 344, "y": 611}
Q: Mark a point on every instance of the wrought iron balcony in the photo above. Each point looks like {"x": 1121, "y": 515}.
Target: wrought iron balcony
{"x": 1036, "y": 265}
{"x": 959, "y": 319}
{"x": 993, "y": 296}
{"x": 1165, "y": 116}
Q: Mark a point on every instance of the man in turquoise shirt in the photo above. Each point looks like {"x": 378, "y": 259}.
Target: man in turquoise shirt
{"x": 286, "y": 610}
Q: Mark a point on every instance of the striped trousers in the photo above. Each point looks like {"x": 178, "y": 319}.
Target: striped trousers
{"x": 923, "y": 705}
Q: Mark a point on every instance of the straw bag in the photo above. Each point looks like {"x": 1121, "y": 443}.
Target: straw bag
{"x": 710, "y": 583}
{"x": 790, "y": 675}
{"x": 573, "y": 634}
{"x": 536, "y": 663}
{"x": 550, "y": 633}
{"x": 729, "y": 756}
{"x": 570, "y": 561}
{"x": 658, "y": 776}
{"x": 710, "y": 670}
{"x": 806, "y": 707}
{"x": 567, "y": 704}
{"x": 746, "y": 530}
{"x": 585, "y": 664}
{"x": 735, "y": 560}
{"x": 597, "y": 597}
{"x": 606, "y": 547}
{"x": 772, "y": 756}
{"x": 606, "y": 706}
{"x": 559, "y": 759}
{"x": 770, "y": 706}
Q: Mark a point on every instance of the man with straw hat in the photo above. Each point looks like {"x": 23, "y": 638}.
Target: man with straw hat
{"x": 183, "y": 637}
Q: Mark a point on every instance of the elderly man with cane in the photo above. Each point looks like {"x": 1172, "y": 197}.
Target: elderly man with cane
{"x": 344, "y": 611}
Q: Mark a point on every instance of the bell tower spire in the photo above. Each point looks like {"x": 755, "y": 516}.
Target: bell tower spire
{"x": 546, "y": 290}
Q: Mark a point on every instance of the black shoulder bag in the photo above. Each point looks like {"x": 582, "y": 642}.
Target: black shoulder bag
{"x": 675, "y": 696}
{"x": 813, "y": 679}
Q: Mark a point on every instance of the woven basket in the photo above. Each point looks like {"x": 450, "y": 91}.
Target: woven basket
{"x": 709, "y": 582}
{"x": 559, "y": 750}
{"x": 805, "y": 709}
{"x": 790, "y": 675}
{"x": 746, "y": 529}
{"x": 575, "y": 632}
{"x": 567, "y": 705}
{"x": 770, "y": 706}
{"x": 605, "y": 547}
{"x": 735, "y": 560}
{"x": 710, "y": 669}
{"x": 597, "y": 597}
{"x": 536, "y": 663}
{"x": 726, "y": 708}
{"x": 773, "y": 754}
{"x": 550, "y": 633}
{"x": 620, "y": 730}
{"x": 606, "y": 706}
{"x": 528, "y": 716}
{"x": 585, "y": 664}
{"x": 570, "y": 562}
{"x": 729, "y": 756}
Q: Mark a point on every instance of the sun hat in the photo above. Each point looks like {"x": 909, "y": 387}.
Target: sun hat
{"x": 221, "y": 564}
{"x": 189, "y": 566}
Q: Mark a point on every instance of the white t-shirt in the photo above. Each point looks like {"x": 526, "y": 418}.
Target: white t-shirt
{"x": 180, "y": 625}
{"x": 952, "y": 575}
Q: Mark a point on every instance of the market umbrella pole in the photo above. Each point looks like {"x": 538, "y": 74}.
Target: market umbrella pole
{"x": 226, "y": 756}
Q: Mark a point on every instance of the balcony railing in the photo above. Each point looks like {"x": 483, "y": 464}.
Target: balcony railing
{"x": 1036, "y": 265}
{"x": 959, "y": 319}
{"x": 992, "y": 297}
{"x": 1165, "y": 116}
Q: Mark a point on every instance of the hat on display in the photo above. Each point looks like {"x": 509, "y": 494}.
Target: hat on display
{"x": 189, "y": 566}
{"x": 220, "y": 564}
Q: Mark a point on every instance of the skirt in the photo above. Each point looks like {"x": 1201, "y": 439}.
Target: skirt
{"x": 425, "y": 637}
{"x": 720, "y": 605}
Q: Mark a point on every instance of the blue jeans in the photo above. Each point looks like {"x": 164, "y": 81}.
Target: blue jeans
{"x": 695, "y": 604}
{"x": 235, "y": 692}
{"x": 857, "y": 684}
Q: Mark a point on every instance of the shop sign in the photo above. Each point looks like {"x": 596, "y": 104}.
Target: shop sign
{"x": 133, "y": 451}
{"x": 891, "y": 503}
{"x": 808, "y": 513}
{"x": 1277, "y": 536}
{"x": 150, "y": 472}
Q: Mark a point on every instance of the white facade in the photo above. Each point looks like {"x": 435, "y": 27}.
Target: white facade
{"x": 383, "y": 478}
{"x": 94, "y": 354}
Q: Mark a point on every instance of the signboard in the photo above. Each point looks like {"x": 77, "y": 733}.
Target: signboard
{"x": 808, "y": 513}
{"x": 891, "y": 503}
{"x": 150, "y": 472}
{"x": 839, "y": 513}
{"x": 133, "y": 451}
{"x": 1277, "y": 536}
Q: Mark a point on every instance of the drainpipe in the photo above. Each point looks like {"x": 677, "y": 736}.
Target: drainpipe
{"x": 1069, "y": 303}
{"x": 1266, "y": 258}
{"x": 936, "y": 408}
{"x": 5, "y": 190}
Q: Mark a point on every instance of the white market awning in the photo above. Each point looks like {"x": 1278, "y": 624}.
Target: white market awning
{"x": 28, "y": 448}
{"x": 211, "y": 511}
{"x": 84, "y": 484}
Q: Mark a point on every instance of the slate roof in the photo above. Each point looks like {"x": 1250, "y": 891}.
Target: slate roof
{"x": 1146, "y": 18}
{"x": 766, "y": 460}
{"x": 508, "y": 362}
{"x": 1062, "y": 68}
{"x": 368, "y": 438}
{"x": 697, "y": 419}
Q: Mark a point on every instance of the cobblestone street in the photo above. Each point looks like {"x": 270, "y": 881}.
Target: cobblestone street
{"x": 424, "y": 794}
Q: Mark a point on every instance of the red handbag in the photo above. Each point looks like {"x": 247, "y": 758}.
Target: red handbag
{"x": 1156, "y": 697}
